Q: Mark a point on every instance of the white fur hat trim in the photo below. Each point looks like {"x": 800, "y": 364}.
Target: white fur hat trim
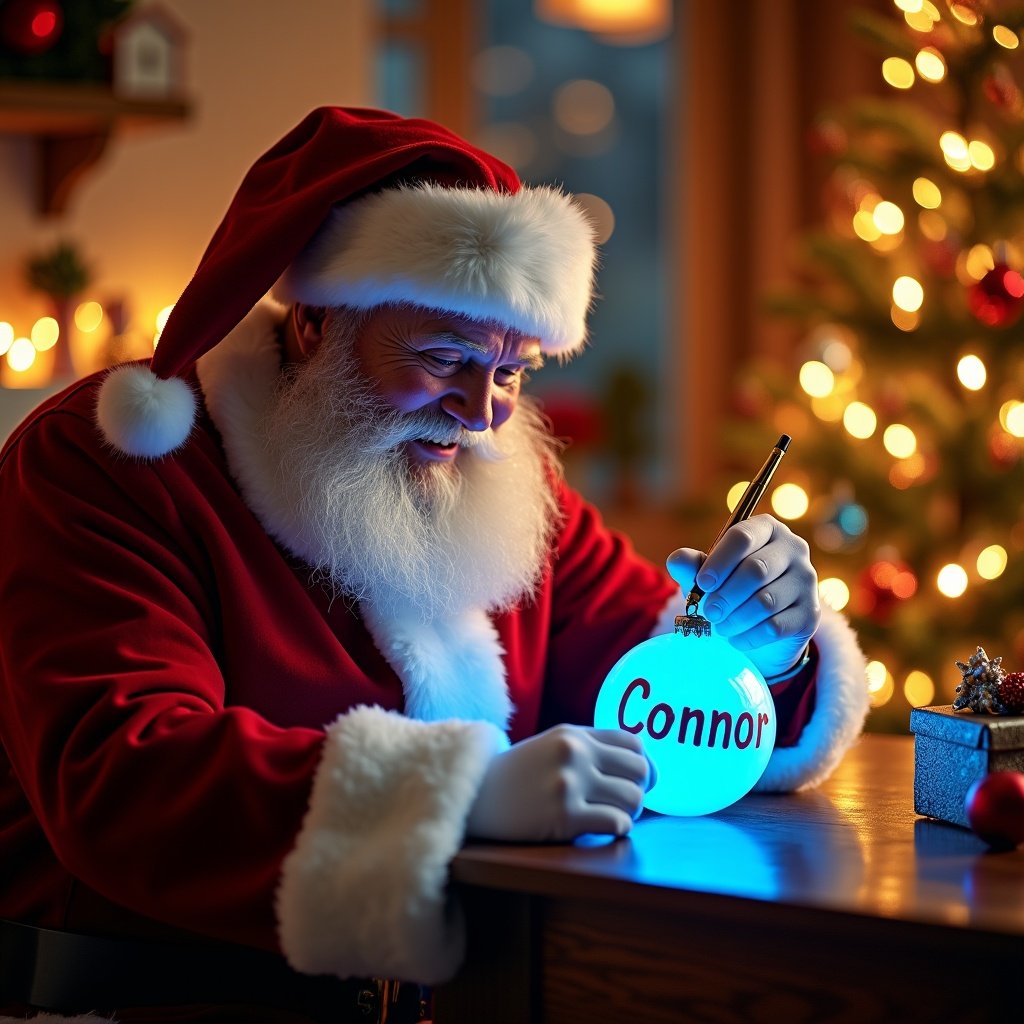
{"x": 525, "y": 259}
{"x": 144, "y": 415}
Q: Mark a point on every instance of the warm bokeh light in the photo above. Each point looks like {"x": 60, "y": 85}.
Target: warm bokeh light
{"x": 930, "y": 64}
{"x": 583, "y": 107}
{"x": 44, "y": 334}
{"x": 918, "y": 688}
{"x": 951, "y": 580}
{"x": 830, "y": 408}
{"x": 979, "y": 261}
{"x": 817, "y": 379}
{"x": 899, "y": 73}
{"x": 919, "y": 20}
{"x": 631, "y": 21}
{"x": 834, "y": 593}
{"x": 933, "y": 225}
{"x": 601, "y": 215}
{"x": 903, "y": 320}
{"x": 88, "y": 316}
{"x": 1015, "y": 421}
{"x": 982, "y": 156}
{"x": 992, "y": 562}
{"x": 907, "y": 293}
{"x": 161, "y": 322}
{"x": 899, "y": 440}
{"x": 1005, "y": 37}
{"x": 732, "y": 499}
{"x": 888, "y": 218}
{"x": 886, "y": 243}
{"x": 971, "y": 372}
{"x": 790, "y": 501}
{"x": 954, "y": 151}
{"x": 1011, "y": 418}
{"x": 964, "y": 13}
{"x": 880, "y": 683}
{"x": 6, "y": 336}
{"x": 836, "y": 355}
{"x": 853, "y": 373}
{"x": 21, "y": 355}
{"x": 908, "y": 6}
{"x": 907, "y": 472}
{"x": 789, "y": 418}
{"x": 864, "y": 226}
{"x": 927, "y": 194}
{"x": 897, "y": 579}
{"x": 859, "y": 420}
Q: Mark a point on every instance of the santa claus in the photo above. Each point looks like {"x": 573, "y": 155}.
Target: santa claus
{"x": 292, "y": 610}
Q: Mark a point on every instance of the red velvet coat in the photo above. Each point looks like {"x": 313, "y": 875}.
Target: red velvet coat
{"x": 169, "y": 679}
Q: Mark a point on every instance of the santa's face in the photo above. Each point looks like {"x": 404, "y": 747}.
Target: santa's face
{"x": 423, "y": 361}
{"x": 408, "y": 470}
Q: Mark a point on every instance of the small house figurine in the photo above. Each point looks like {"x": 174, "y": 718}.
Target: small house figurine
{"x": 148, "y": 49}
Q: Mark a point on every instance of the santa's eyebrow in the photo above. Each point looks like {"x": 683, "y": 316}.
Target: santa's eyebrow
{"x": 448, "y": 337}
{"x": 532, "y": 361}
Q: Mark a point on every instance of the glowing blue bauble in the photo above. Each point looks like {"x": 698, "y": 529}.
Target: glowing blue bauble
{"x": 704, "y": 713}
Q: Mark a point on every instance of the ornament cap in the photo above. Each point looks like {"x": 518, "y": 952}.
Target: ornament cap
{"x": 691, "y": 623}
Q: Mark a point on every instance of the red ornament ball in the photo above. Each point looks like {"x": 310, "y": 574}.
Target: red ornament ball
{"x": 997, "y": 300}
{"x": 1001, "y": 90}
{"x": 882, "y": 586}
{"x": 995, "y": 808}
{"x": 31, "y": 26}
{"x": 1011, "y": 692}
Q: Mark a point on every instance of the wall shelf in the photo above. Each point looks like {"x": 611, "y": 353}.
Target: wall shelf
{"x": 72, "y": 123}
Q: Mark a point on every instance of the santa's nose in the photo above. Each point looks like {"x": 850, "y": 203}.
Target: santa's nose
{"x": 471, "y": 404}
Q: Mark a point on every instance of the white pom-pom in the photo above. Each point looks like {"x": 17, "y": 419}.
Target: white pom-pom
{"x": 144, "y": 415}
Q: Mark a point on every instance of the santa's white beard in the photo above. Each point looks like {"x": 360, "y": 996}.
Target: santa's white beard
{"x": 440, "y": 538}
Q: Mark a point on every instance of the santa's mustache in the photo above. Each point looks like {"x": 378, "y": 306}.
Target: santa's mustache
{"x": 396, "y": 429}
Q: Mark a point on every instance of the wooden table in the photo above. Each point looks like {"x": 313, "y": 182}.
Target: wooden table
{"x": 835, "y": 905}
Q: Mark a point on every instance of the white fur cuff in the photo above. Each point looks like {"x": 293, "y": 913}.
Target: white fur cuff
{"x": 840, "y": 707}
{"x": 363, "y": 893}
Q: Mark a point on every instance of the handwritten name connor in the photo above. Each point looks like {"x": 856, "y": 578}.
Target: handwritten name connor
{"x": 661, "y": 718}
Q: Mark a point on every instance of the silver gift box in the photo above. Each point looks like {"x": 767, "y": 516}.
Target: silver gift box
{"x": 953, "y": 749}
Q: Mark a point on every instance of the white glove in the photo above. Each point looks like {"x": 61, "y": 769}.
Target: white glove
{"x": 561, "y": 783}
{"x": 761, "y": 591}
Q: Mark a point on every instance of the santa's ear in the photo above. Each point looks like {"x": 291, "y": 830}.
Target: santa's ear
{"x": 308, "y": 327}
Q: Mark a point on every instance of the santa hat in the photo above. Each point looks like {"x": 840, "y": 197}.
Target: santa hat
{"x": 362, "y": 208}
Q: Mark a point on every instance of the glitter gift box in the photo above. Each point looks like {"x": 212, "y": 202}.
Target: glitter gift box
{"x": 952, "y": 749}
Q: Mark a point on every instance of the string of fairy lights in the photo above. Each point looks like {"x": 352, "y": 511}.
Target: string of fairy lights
{"x": 27, "y": 356}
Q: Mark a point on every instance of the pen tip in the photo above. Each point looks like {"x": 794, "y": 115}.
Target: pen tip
{"x": 783, "y": 442}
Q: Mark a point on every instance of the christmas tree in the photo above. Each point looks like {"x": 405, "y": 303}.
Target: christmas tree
{"x": 906, "y": 397}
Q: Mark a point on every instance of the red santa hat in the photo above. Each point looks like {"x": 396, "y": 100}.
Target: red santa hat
{"x": 362, "y": 208}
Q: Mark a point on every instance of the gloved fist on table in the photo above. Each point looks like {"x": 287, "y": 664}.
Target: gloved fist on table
{"x": 761, "y": 591}
{"x": 561, "y": 783}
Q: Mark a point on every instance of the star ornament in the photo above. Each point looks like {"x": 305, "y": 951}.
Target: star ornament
{"x": 980, "y": 683}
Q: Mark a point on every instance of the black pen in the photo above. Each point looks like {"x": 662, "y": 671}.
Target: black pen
{"x": 744, "y": 509}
